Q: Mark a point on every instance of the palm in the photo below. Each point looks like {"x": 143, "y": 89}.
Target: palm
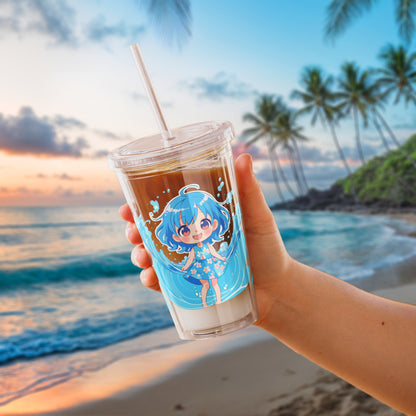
{"x": 172, "y": 18}
{"x": 356, "y": 94}
{"x": 398, "y": 74}
{"x": 287, "y": 133}
{"x": 319, "y": 101}
{"x": 340, "y": 13}
{"x": 268, "y": 108}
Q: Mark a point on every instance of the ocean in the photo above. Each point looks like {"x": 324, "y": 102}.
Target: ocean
{"x": 68, "y": 290}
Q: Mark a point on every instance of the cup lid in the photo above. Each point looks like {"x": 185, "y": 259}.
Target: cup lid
{"x": 187, "y": 141}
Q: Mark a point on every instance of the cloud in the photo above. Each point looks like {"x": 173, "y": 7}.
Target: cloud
{"x": 107, "y": 134}
{"x": 61, "y": 176}
{"x": 137, "y": 97}
{"x": 29, "y": 134}
{"x": 70, "y": 193}
{"x": 369, "y": 151}
{"x": 256, "y": 152}
{"x": 53, "y": 18}
{"x": 57, "y": 20}
{"x": 406, "y": 125}
{"x": 316, "y": 155}
{"x": 220, "y": 86}
{"x": 142, "y": 97}
{"x": 99, "y": 31}
{"x": 66, "y": 177}
{"x": 68, "y": 122}
{"x": 319, "y": 176}
{"x": 100, "y": 154}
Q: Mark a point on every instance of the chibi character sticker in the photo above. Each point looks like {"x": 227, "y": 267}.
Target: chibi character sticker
{"x": 191, "y": 223}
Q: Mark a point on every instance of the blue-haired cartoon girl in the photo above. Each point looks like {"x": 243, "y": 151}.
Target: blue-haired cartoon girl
{"x": 190, "y": 223}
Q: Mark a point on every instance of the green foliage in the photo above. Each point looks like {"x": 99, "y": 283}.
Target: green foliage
{"x": 389, "y": 179}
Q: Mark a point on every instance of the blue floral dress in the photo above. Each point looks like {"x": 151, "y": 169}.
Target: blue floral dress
{"x": 205, "y": 266}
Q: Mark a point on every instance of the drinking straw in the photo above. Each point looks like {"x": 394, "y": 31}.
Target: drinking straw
{"x": 138, "y": 59}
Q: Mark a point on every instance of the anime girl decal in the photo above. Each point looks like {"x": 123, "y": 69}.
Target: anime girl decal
{"x": 191, "y": 223}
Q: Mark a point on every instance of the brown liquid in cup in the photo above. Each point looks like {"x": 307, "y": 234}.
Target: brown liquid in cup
{"x": 155, "y": 188}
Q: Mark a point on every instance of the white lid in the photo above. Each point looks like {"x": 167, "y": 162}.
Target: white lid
{"x": 187, "y": 141}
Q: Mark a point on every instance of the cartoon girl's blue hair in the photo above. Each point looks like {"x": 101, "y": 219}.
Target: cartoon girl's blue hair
{"x": 183, "y": 209}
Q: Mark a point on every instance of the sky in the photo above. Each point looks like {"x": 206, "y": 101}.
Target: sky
{"x": 70, "y": 92}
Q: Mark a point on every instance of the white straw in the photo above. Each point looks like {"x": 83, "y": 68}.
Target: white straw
{"x": 138, "y": 59}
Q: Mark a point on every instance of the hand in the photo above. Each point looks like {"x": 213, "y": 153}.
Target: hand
{"x": 269, "y": 260}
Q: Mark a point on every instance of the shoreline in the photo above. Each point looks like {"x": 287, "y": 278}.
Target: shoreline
{"x": 260, "y": 377}
{"x": 246, "y": 373}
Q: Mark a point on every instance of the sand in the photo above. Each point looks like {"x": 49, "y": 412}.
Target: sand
{"x": 246, "y": 374}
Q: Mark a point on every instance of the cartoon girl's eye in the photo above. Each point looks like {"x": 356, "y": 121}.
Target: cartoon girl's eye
{"x": 205, "y": 223}
{"x": 184, "y": 231}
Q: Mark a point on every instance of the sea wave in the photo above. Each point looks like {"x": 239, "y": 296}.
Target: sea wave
{"x": 52, "y": 225}
{"x": 89, "y": 267}
{"x": 84, "y": 334}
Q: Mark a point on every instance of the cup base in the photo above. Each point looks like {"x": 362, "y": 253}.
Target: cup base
{"x": 199, "y": 334}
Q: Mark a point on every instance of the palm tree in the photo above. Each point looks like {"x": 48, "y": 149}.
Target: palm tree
{"x": 287, "y": 133}
{"x": 172, "y": 18}
{"x": 398, "y": 74}
{"x": 318, "y": 100}
{"x": 356, "y": 93}
{"x": 340, "y": 13}
{"x": 268, "y": 107}
{"x": 376, "y": 104}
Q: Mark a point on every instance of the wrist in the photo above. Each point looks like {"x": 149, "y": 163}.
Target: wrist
{"x": 274, "y": 297}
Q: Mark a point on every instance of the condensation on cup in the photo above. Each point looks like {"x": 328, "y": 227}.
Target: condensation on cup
{"x": 185, "y": 204}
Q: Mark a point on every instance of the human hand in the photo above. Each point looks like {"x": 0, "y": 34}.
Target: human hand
{"x": 269, "y": 260}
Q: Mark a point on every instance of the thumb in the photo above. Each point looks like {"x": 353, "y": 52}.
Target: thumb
{"x": 258, "y": 218}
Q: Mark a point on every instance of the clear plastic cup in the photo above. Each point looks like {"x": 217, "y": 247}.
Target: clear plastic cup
{"x": 184, "y": 199}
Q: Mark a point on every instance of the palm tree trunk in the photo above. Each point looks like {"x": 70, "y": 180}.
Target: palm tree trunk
{"x": 380, "y": 132}
{"x": 302, "y": 173}
{"x": 344, "y": 160}
{"x": 274, "y": 173}
{"x": 387, "y": 127}
{"x": 281, "y": 172}
{"x": 290, "y": 155}
{"x": 357, "y": 136}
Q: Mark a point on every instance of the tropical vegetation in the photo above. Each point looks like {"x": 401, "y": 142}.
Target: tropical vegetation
{"x": 389, "y": 179}
{"x": 357, "y": 94}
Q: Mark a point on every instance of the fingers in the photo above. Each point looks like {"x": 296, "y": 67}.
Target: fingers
{"x": 149, "y": 279}
{"x": 125, "y": 213}
{"x": 132, "y": 233}
{"x": 257, "y": 216}
{"x": 140, "y": 257}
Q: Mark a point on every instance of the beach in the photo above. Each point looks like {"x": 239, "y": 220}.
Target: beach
{"x": 245, "y": 373}
{"x": 249, "y": 373}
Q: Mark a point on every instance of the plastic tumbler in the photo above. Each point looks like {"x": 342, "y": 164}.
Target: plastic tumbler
{"x": 184, "y": 199}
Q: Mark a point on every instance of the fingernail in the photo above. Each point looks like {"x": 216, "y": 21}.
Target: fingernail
{"x": 250, "y": 165}
{"x": 134, "y": 258}
{"x": 129, "y": 230}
